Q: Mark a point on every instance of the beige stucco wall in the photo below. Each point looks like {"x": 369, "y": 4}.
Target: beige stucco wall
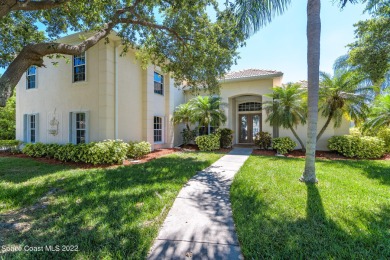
{"x": 137, "y": 103}
{"x": 57, "y": 93}
{"x": 240, "y": 91}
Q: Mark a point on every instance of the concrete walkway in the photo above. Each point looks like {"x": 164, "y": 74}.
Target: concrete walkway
{"x": 200, "y": 224}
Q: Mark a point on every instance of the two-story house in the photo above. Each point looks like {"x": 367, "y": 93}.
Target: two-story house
{"x": 102, "y": 95}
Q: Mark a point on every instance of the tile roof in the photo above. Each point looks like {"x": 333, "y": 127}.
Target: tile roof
{"x": 249, "y": 73}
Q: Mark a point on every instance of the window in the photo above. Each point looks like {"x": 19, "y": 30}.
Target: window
{"x": 158, "y": 83}
{"x": 79, "y": 127}
{"x": 158, "y": 132}
{"x": 31, "y": 128}
{"x": 31, "y": 77}
{"x": 79, "y": 67}
{"x": 249, "y": 106}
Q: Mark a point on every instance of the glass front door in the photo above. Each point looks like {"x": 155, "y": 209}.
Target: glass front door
{"x": 249, "y": 126}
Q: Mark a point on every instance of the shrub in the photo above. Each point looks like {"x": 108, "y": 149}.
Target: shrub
{"x": 365, "y": 147}
{"x": 106, "y": 152}
{"x": 355, "y": 131}
{"x": 226, "y": 140}
{"x": 283, "y": 145}
{"x": 384, "y": 134}
{"x": 66, "y": 152}
{"x": 138, "y": 150}
{"x": 9, "y": 145}
{"x": 263, "y": 140}
{"x": 208, "y": 142}
{"x": 188, "y": 136}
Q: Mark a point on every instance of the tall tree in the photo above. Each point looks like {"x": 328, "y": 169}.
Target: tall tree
{"x": 370, "y": 53}
{"x": 208, "y": 111}
{"x": 287, "y": 108}
{"x": 184, "y": 114}
{"x": 8, "y": 120}
{"x": 341, "y": 96}
{"x": 254, "y": 19}
{"x": 313, "y": 69}
{"x": 179, "y": 36}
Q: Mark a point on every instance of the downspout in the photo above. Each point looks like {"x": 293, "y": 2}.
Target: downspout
{"x": 116, "y": 90}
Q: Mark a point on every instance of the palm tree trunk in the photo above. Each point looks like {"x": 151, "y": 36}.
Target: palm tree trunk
{"x": 325, "y": 126}
{"x": 297, "y": 137}
{"x": 313, "y": 71}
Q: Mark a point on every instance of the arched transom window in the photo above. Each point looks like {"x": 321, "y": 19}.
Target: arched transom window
{"x": 249, "y": 106}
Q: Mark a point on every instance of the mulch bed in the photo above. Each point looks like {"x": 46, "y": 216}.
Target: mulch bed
{"x": 194, "y": 148}
{"x": 151, "y": 156}
{"x": 319, "y": 154}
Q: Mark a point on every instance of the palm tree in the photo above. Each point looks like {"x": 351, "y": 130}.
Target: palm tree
{"x": 261, "y": 12}
{"x": 287, "y": 109}
{"x": 183, "y": 114}
{"x": 341, "y": 96}
{"x": 208, "y": 111}
{"x": 380, "y": 113}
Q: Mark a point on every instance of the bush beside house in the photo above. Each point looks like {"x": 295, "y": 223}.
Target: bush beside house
{"x": 283, "y": 145}
{"x": 226, "y": 140}
{"x": 138, "y": 150}
{"x": 263, "y": 140}
{"x": 208, "y": 142}
{"x": 106, "y": 152}
{"x": 354, "y": 146}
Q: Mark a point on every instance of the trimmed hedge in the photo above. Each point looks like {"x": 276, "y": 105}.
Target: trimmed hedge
{"x": 9, "y": 145}
{"x": 226, "y": 140}
{"x": 283, "y": 145}
{"x": 208, "y": 142}
{"x": 188, "y": 136}
{"x": 353, "y": 146}
{"x": 106, "y": 152}
{"x": 263, "y": 140}
{"x": 384, "y": 134}
{"x": 138, "y": 150}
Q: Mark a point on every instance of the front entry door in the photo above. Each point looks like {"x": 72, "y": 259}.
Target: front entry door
{"x": 249, "y": 126}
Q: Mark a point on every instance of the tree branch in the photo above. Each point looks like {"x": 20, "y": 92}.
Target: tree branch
{"x": 33, "y": 54}
{"x": 7, "y": 6}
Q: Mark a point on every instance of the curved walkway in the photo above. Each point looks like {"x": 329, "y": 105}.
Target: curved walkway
{"x": 200, "y": 224}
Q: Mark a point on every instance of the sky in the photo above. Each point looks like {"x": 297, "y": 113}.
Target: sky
{"x": 282, "y": 44}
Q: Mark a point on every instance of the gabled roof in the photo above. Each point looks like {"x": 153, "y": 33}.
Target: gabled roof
{"x": 249, "y": 74}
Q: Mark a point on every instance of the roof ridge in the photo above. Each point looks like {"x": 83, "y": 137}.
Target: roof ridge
{"x": 251, "y": 72}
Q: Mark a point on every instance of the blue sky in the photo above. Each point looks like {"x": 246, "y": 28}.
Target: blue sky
{"x": 281, "y": 45}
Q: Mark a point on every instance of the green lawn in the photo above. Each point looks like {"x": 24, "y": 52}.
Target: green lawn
{"x": 107, "y": 213}
{"x": 345, "y": 216}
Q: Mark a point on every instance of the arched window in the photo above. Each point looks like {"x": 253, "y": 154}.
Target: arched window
{"x": 249, "y": 106}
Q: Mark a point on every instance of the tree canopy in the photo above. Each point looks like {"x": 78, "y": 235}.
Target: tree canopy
{"x": 179, "y": 36}
{"x": 370, "y": 52}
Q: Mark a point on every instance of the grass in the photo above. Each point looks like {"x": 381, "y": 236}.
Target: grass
{"x": 107, "y": 213}
{"x": 345, "y": 216}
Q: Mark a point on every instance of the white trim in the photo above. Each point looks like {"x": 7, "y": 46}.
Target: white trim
{"x": 36, "y": 78}
{"x": 27, "y": 130}
{"x": 86, "y": 67}
{"x": 72, "y": 126}
{"x": 162, "y": 130}
{"x": 163, "y": 82}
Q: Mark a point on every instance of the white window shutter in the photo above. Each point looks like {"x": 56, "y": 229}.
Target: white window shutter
{"x": 25, "y": 139}
{"x": 72, "y": 127}
{"x": 37, "y": 139}
{"x": 87, "y": 126}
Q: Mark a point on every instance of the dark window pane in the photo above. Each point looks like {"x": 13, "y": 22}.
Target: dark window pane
{"x": 158, "y": 83}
